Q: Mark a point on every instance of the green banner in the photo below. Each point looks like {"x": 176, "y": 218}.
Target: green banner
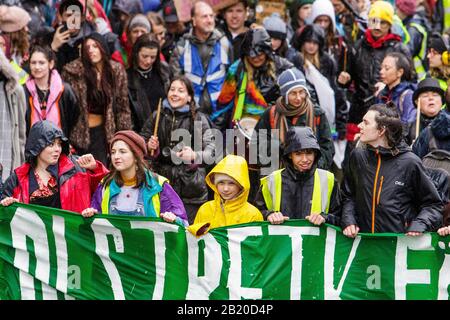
{"x": 54, "y": 254}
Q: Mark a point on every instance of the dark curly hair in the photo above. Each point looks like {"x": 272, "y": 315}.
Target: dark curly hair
{"x": 387, "y": 118}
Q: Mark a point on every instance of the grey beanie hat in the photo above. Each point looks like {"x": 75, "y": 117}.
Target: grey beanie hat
{"x": 291, "y": 79}
{"x": 141, "y": 21}
{"x": 275, "y": 26}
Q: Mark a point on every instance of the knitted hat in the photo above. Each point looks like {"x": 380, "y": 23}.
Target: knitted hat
{"x": 382, "y": 10}
{"x": 170, "y": 12}
{"x": 218, "y": 177}
{"x": 140, "y": 20}
{"x": 275, "y": 26}
{"x": 13, "y": 18}
{"x": 291, "y": 79}
{"x": 426, "y": 85}
{"x": 408, "y": 7}
{"x": 437, "y": 43}
{"x": 101, "y": 40}
{"x": 133, "y": 140}
{"x": 301, "y": 3}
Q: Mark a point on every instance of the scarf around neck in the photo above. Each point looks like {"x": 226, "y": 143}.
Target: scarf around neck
{"x": 286, "y": 110}
{"x": 378, "y": 43}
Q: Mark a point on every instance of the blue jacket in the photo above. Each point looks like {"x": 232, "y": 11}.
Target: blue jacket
{"x": 189, "y": 58}
{"x": 407, "y": 110}
{"x": 441, "y": 131}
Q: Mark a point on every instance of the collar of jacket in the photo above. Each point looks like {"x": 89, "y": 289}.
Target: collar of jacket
{"x": 389, "y": 152}
{"x": 183, "y": 110}
{"x": 150, "y": 190}
{"x": 380, "y": 42}
{"x": 441, "y": 125}
{"x": 213, "y": 38}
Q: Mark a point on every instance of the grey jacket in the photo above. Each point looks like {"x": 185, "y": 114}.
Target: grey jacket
{"x": 17, "y": 108}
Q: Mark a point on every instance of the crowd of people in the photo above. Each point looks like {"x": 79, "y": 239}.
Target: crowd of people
{"x": 117, "y": 107}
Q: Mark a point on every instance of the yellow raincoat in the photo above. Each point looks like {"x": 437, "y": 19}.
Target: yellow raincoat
{"x": 220, "y": 213}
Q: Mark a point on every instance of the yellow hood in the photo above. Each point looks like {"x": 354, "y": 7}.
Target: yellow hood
{"x": 236, "y": 167}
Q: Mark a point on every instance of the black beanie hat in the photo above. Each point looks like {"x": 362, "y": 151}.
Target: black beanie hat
{"x": 437, "y": 43}
{"x": 101, "y": 40}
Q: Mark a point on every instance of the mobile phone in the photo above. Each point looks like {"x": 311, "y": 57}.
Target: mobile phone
{"x": 64, "y": 27}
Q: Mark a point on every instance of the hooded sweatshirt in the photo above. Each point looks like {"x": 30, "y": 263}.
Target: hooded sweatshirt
{"x": 221, "y": 213}
{"x": 323, "y": 8}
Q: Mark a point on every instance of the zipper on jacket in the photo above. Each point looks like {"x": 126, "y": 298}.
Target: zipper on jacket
{"x": 379, "y": 190}
{"x": 374, "y": 195}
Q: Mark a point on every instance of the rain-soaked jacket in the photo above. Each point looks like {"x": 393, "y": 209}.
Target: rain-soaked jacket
{"x": 297, "y": 188}
{"x": 388, "y": 190}
{"x": 219, "y": 212}
{"x": 75, "y": 184}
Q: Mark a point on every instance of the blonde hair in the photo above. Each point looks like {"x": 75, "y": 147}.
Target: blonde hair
{"x": 250, "y": 69}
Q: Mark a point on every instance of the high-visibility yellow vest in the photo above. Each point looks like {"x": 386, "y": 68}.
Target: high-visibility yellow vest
{"x": 155, "y": 199}
{"x": 23, "y": 75}
{"x": 418, "y": 59}
{"x": 321, "y": 197}
{"x": 446, "y": 5}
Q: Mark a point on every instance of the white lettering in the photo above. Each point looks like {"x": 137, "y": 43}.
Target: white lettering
{"x": 201, "y": 287}
{"x": 295, "y": 233}
{"x": 102, "y": 228}
{"x": 403, "y": 275}
{"x": 158, "y": 229}
{"x": 236, "y": 236}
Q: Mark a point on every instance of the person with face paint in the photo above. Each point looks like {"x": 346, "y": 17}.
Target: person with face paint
{"x": 50, "y": 174}
{"x": 364, "y": 64}
{"x": 377, "y": 196}
{"x": 69, "y": 33}
{"x": 301, "y": 190}
{"x": 231, "y": 185}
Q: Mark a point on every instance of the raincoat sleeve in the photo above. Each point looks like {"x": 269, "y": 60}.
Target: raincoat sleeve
{"x": 427, "y": 200}
{"x": 96, "y": 175}
{"x": 96, "y": 201}
{"x": 348, "y": 193}
{"x": 334, "y": 213}
{"x": 261, "y": 204}
{"x": 208, "y": 146}
{"x": 171, "y": 202}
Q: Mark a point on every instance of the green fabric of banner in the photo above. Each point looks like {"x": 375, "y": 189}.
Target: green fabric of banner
{"x": 53, "y": 254}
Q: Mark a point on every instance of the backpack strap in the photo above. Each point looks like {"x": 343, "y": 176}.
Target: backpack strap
{"x": 402, "y": 100}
